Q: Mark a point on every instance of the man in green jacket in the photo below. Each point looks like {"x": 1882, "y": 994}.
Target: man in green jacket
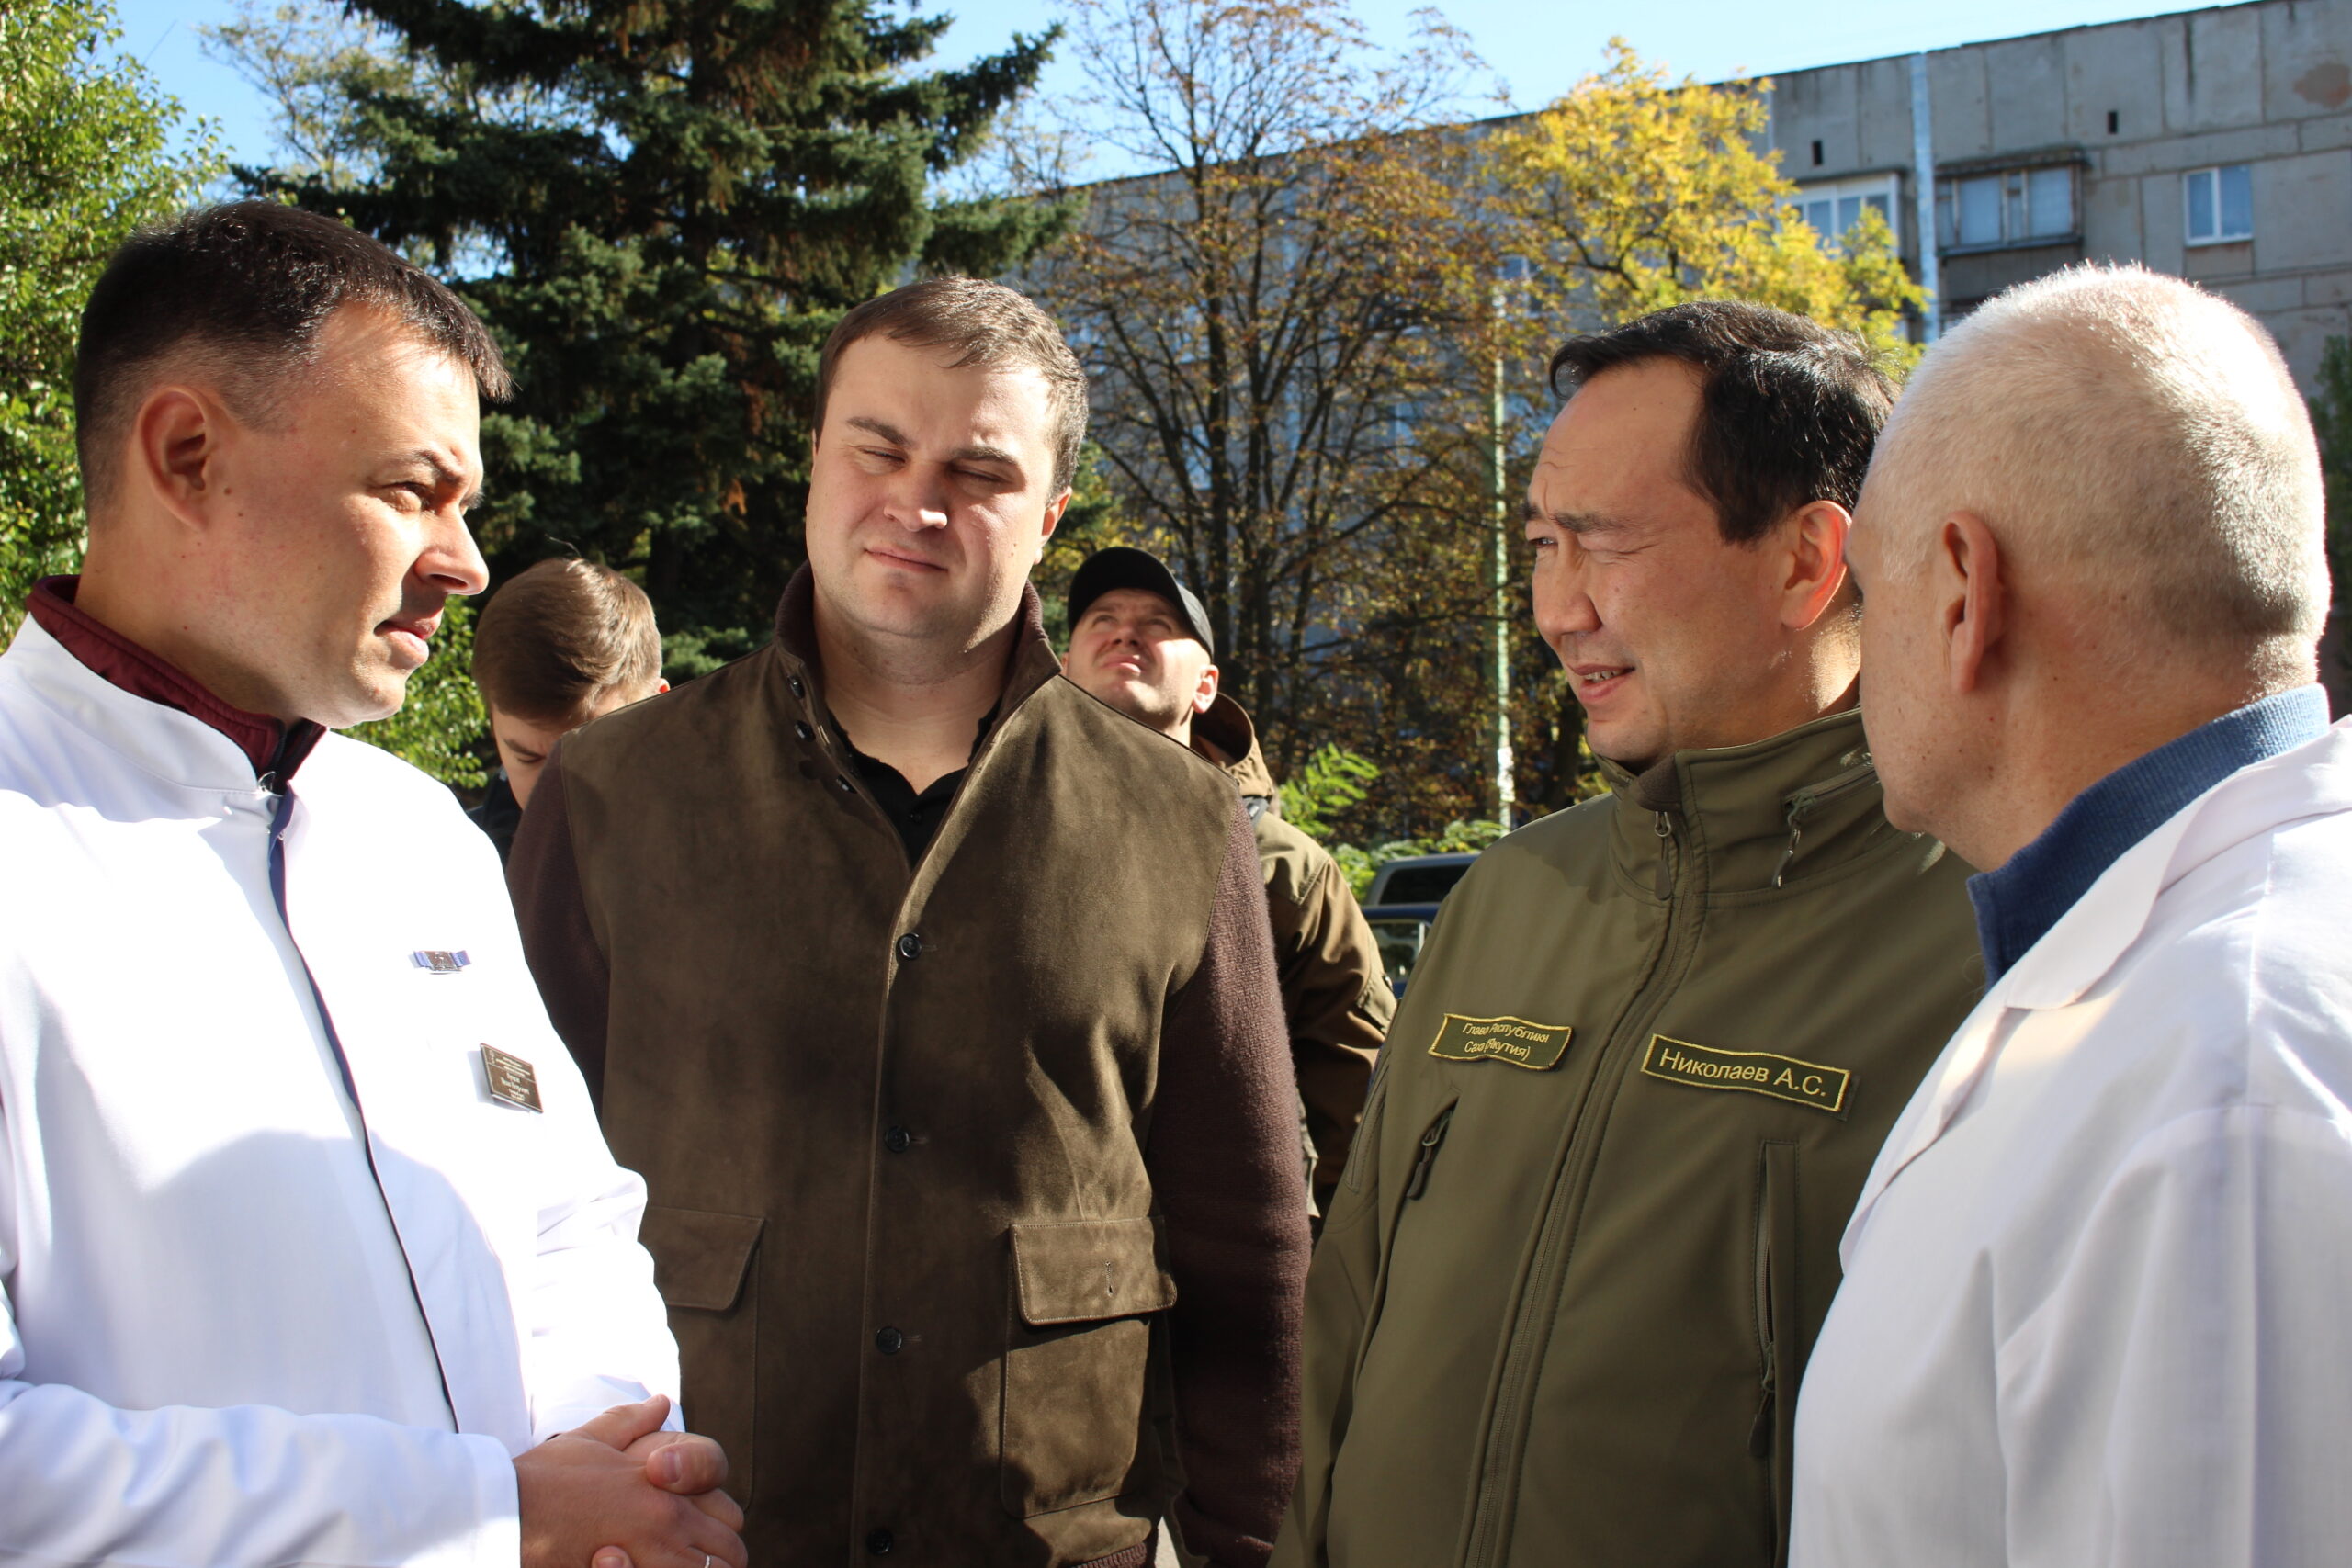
{"x": 1590, "y": 1226}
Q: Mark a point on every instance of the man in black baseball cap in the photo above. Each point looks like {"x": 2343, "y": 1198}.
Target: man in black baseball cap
{"x": 1141, "y": 641}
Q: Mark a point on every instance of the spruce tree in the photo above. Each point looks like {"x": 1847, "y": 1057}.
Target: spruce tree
{"x": 660, "y": 207}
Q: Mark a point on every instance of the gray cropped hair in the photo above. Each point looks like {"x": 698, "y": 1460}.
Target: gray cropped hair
{"x": 2142, "y": 439}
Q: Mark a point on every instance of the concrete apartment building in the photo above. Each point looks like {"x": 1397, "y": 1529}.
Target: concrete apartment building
{"x": 2214, "y": 145}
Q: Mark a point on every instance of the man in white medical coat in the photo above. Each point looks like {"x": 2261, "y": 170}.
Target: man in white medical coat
{"x": 309, "y": 1248}
{"x": 2095, "y": 1304}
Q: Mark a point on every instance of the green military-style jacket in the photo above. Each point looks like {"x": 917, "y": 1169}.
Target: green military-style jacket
{"x": 1590, "y": 1226}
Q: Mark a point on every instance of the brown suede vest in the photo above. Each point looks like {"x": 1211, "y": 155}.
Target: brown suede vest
{"x": 893, "y": 1119}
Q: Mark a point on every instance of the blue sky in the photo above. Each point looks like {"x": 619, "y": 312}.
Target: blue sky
{"x": 1539, "y": 49}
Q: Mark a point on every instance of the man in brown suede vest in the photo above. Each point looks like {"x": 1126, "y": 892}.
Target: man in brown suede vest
{"x": 935, "y": 1002}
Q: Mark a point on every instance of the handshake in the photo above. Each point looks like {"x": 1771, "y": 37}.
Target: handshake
{"x": 619, "y": 1491}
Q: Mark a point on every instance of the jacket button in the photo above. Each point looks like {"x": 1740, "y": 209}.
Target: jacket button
{"x": 800, "y": 727}
{"x": 911, "y": 947}
{"x": 889, "y": 1341}
{"x": 897, "y": 1140}
{"x": 879, "y": 1542}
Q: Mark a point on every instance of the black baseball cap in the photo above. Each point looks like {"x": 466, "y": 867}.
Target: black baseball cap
{"x": 1122, "y": 565}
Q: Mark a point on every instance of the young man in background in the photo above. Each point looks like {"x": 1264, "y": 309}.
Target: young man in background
{"x": 563, "y": 642}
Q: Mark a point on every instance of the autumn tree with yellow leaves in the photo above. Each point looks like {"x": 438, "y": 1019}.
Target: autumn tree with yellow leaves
{"x": 1635, "y": 192}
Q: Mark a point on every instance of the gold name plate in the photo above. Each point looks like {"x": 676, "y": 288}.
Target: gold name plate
{"x": 1534, "y": 1047}
{"x": 1755, "y": 1072}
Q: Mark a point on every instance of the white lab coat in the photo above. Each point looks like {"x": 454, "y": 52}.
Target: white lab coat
{"x": 2097, "y": 1303}
{"x": 244, "y": 1321}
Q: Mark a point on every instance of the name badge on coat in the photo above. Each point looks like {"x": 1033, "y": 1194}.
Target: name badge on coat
{"x": 509, "y": 1078}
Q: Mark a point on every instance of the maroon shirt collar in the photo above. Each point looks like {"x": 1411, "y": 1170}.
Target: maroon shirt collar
{"x": 274, "y": 748}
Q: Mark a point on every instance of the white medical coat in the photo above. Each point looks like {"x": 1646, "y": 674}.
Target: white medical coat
{"x": 2097, "y": 1302}
{"x": 251, "y": 1315}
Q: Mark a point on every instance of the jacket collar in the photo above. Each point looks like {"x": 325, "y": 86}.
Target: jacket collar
{"x": 2022, "y": 899}
{"x": 1227, "y": 726}
{"x": 160, "y": 742}
{"x": 1033, "y": 663}
{"x": 2091, "y": 937}
{"x": 272, "y": 747}
{"x": 1790, "y": 809}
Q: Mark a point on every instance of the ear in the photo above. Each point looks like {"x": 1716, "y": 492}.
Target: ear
{"x": 1816, "y": 563}
{"x": 1971, "y": 600}
{"x": 1204, "y": 694}
{"x": 1054, "y": 510}
{"x": 176, "y": 440}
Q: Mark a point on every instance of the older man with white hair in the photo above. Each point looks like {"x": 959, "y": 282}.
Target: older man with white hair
{"x": 2094, "y": 1310}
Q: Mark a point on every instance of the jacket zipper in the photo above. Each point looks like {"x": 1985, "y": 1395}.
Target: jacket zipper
{"x": 1418, "y": 1181}
{"x": 1800, "y": 805}
{"x": 1759, "y": 1435}
{"x": 1488, "y": 1537}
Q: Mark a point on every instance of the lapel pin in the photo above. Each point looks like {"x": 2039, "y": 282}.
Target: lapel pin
{"x": 434, "y": 961}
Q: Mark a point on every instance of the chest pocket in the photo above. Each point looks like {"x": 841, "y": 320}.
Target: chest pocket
{"x": 1077, "y": 1359}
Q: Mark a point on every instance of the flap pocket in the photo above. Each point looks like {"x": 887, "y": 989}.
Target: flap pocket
{"x": 1086, "y": 1270}
{"x": 700, "y": 1257}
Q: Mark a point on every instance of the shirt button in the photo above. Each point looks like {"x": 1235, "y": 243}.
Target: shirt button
{"x": 800, "y": 727}
{"x": 841, "y": 782}
{"x": 889, "y": 1341}
{"x": 897, "y": 1140}
{"x": 911, "y": 947}
{"x": 879, "y": 1542}
{"x": 798, "y": 689}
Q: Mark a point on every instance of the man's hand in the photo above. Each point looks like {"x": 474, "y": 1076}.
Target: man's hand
{"x": 584, "y": 1496}
{"x": 692, "y": 1466}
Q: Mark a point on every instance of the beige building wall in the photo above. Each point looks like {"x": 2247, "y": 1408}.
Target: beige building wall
{"x": 2134, "y": 109}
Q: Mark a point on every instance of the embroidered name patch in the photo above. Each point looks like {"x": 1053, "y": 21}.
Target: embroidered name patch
{"x": 1514, "y": 1040}
{"x": 510, "y": 1078}
{"x": 1758, "y": 1072}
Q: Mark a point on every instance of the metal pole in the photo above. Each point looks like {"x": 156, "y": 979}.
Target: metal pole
{"x": 1923, "y": 192}
{"x": 1498, "y": 581}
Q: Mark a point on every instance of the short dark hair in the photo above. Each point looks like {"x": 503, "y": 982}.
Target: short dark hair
{"x": 249, "y": 285}
{"x": 1789, "y": 411}
{"x": 985, "y": 325}
{"x": 560, "y": 635}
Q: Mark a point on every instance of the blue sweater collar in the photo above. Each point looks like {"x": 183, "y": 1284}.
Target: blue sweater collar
{"x": 2017, "y": 905}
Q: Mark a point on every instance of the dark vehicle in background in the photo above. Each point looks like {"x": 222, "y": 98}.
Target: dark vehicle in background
{"x": 1401, "y": 902}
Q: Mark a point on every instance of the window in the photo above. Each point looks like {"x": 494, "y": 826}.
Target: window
{"x": 2220, "y": 203}
{"x": 2012, "y": 206}
{"x": 1834, "y": 207}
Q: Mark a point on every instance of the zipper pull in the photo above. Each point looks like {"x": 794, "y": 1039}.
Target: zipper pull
{"x": 1418, "y": 1182}
{"x": 1664, "y": 858}
{"x": 1799, "y": 807}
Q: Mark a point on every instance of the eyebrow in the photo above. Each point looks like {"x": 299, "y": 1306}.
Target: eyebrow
{"x": 972, "y": 453}
{"x": 447, "y": 476}
{"x": 1582, "y": 523}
